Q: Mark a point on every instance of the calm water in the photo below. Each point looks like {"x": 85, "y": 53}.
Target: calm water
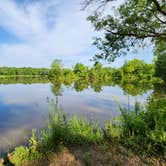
{"x": 23, "y": 107}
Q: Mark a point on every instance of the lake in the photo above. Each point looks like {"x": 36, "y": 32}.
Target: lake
{"x": 24, "y": 107}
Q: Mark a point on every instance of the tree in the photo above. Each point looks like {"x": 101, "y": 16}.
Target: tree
{"x": 81, "y": 71}
{"x": 68, "y": 76}
{"x": 100, "y": 3}
{"x": 56, "y": 71}
{"x": 57, "y": 63}
{"x": 135, "y": 69}
{"x": 96, "y": 72}
{"x": 136, "y": 21}
{"x": 160, "y": 65}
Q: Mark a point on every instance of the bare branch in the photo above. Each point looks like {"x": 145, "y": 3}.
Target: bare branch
{"x": 99, "y": 3}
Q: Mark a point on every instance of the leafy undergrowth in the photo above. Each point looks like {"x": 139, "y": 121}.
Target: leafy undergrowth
{"x": 137, "y": 137}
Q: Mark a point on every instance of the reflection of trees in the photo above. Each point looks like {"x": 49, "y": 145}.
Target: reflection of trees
{"x": 136, "y": 89}
{"x": 97, "y": 85}
{"x": 23, "y": 80}
{"x": 68, "y": 77}
{"x": 80, "y": 85}
{"x": 139, "y": 86}
{"x": 56, "y": 88}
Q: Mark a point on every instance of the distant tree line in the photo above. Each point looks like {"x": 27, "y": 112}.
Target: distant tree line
{"x": 28, "y": 71}
{"x": 131, "y": 71}
{"x": 134, "y": 77}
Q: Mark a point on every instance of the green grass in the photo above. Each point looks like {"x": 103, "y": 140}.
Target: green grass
{"x": 22, "y": 154}
{"x": 142, "y": 129}
{"x": 61, "y": 131}
{"x": 69, "y": 131}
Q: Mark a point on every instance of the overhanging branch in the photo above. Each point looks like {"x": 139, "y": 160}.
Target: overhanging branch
{"x": 159, "y": 8}
{"x": 140, "y": 36}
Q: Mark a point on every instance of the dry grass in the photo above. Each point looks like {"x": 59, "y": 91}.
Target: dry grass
{"x": 109, "y": 155}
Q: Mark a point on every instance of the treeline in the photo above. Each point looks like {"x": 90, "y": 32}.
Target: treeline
{"x": 134, "y": 77}
{"x": 134, "y": 73}
{"x": 28, "y": 71}
{"x": 130, "y": 71}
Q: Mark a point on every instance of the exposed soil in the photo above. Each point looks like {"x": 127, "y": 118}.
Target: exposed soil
{"x": 110, "y": 155}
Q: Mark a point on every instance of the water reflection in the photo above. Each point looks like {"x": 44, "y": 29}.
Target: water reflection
{"x": 23, "y": 103}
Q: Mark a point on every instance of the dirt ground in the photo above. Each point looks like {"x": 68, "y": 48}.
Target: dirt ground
{"x": 112, "y": 155}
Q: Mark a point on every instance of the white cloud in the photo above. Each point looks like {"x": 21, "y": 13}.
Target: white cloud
{"x": 47, "y": 30}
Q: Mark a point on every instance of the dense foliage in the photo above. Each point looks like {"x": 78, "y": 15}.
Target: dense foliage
{"x": 135, "y": 24}
{"x": 134, "y": 73}
{"x": 24, "y": 71}
{"x": 143, "y": 130}
{"x": 160, "y": 65}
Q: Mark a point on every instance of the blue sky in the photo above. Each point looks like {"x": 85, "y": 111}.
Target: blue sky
{"x": 34, "y": 33}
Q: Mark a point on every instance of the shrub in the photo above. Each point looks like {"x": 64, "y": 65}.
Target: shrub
{"x": 142, "y": 129}
{"x": 20, "y": 155}
{"x": 23, "y": 154}
{"x": 69, "y": 131}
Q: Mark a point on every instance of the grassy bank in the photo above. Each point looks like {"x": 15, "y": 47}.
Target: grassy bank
{"x": 137, "y": 136}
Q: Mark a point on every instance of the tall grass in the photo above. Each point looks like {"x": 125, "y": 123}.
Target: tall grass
{"x": 69, "y": 130}
{"x": 61, "y": 131}
{"x": 142, "y": 129}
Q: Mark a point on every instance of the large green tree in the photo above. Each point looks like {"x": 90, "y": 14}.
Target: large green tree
{"x": 137, "y": 70}
{"x": 81, "y": 71}
{"x": 56, "y": 70}
{"x": 136, "y": 23}
{"x": 57, "y": 63}
{"x": 160, "y": 64}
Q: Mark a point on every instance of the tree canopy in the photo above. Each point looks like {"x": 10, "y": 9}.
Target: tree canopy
{"x": 160, "y": 65}
{"x": 136, "y": 23}
{"x": 57, "y": 63}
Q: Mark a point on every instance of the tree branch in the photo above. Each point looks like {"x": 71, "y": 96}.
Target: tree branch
{"x": 142, "y": 36}
{"x": 100, "y": 3}
{"x": 159, "y": 8}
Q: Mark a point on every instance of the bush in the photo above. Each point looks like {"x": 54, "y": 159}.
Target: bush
{"x": 143, "y": 130}
{"x": 69, "y": 131}
{"x": 20, "y": 155}
{"x": 23, "y": 154}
